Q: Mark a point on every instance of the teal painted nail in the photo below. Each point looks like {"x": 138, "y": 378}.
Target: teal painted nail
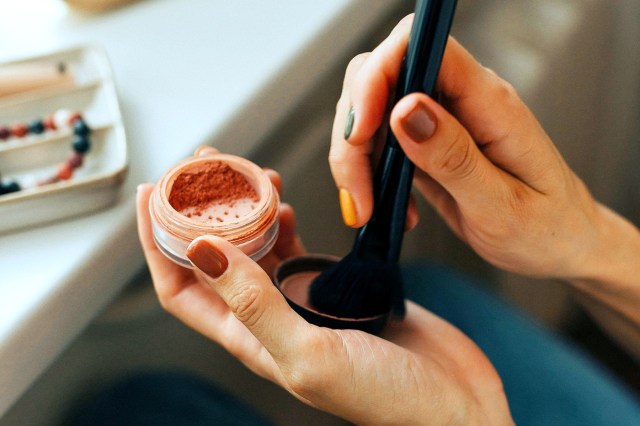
{"x": 349, "y": 126}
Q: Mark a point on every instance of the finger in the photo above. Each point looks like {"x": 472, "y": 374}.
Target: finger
{"x": 363, "y": 104}
{"x": 289, "y": 243}
{"x": 172, "y": 281}
{"x": 250, "y": 295}
{"x": 195, "y": 303}
{"x": 205, "y": 150}
{"x": 413, "y": 217}
{"x": 161, "y": 268}
{"x": 374, "y": 81}
{"x": 350, "y": 165}
{"x": 440, "y": 200}
{"x": 497, "y": 119}
{"x": 437, "y": 144}
{"x": 275, "y": 179}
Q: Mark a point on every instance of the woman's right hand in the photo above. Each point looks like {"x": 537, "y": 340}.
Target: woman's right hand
{"x": 482, "y": 159}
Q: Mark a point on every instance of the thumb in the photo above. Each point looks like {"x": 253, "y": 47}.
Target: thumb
{"x": 250, "y": 295}
{"x": 440, "y": 146}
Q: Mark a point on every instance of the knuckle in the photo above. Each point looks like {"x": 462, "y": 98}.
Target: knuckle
{"x": 336, "y": 159}
{"x": 490, "y": 71}
{"x": 503, "y": 91}
{"x": 310, "y": 375}
{"x": 518, "y": 208}
{"x": 518, "y": 200}
{"x": 356, "y": 62}
{"x": 458, "y": 159}
{"x": 307, "y": 382}
{"x": 340, "y": 165}
{"x": 353, "y": 67}
{"x": 246, "y": 304}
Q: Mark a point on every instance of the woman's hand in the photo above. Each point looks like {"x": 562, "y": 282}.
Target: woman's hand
{"x": 422, "y": 370}
{"x": 483, "y": 161}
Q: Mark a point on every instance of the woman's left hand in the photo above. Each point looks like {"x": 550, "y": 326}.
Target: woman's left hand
{"x": 420, "y": 370}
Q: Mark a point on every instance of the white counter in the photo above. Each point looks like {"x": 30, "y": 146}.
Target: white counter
{"x": 187, "y": 73}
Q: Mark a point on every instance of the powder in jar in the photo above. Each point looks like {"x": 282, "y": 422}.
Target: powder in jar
{"x": 212, "y": 191}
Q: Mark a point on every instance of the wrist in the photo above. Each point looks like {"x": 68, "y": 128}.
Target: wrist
{"x": 611, "y": 260}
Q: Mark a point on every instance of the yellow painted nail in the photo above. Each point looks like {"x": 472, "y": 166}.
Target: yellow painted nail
{"x": 348, "y": 208}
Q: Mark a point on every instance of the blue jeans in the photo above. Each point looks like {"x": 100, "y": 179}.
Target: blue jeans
{"x": 547, "y": 381}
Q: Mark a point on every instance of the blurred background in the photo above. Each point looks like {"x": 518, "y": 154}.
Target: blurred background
{"x": 576, "y": 63}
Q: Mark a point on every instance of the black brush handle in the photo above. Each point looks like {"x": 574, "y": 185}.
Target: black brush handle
{"x": 380, "y": 240}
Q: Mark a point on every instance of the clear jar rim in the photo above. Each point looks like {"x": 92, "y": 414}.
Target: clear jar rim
{"x": 237, "y": 231}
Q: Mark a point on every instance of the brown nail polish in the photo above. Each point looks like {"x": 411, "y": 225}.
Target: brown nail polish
{"x": 208, "y": 258}
{"x": 419, "y": 123}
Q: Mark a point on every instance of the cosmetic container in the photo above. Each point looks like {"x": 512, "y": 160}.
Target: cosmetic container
{"x": 249, "y": 224}
{"x": 294, "y": 276}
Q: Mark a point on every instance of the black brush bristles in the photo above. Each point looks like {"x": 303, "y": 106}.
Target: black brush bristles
{"x": 369, "y": 289}
{"x": 367, "y": 282}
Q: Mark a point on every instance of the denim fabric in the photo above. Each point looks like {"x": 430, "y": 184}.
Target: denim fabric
{"x": 547, "y": 380}
{"x": 167, "y": 399}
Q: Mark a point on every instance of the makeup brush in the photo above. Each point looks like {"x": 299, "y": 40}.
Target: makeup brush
{"x": 367, "y": 281}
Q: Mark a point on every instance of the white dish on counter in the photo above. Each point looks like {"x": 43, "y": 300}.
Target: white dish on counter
{"x": 93, "y": 186}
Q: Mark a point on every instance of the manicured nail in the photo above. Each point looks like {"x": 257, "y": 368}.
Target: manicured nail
{"x": 208, "y": 258}
{"x": 419, "y": 123}
{"x": 348, "y": 127}
{"x": 348, "y": 208}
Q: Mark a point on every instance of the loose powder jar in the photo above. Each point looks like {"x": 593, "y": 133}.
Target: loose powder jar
{"x": 217, "y": 194}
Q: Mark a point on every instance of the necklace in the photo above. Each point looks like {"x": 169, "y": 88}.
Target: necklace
{"x": 58, "y": 121}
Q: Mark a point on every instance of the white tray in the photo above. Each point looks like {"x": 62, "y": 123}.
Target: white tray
{"x": 94, "y": 185}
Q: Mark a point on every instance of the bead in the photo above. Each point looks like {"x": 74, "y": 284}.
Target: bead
{"x": 28, "y": 181}
{"x": 49, "y": 123}
{"x": 80, "y": 144}
{"x": 75, "y": 116}
{"x": 36, "y": 127}
{"x": 65, "y": 171}
{"x": 9, "y": 187}
{"x": 75, "y": 159}
{"x": 19, "y": 130}
{"x": 81, "y": 128}
{"x": 61, "y": 118}
{"x": 5, "y": 133}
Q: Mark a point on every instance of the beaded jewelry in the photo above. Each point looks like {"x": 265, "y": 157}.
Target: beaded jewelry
{"x": 61, "y": 119}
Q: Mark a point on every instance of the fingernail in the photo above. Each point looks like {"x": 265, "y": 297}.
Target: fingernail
{"x": 419, "y": 123}
{"x": 348, "y": 208}
{"x": 348, "y": 127}
{"x": 203, "y": 150}
{"x": 140, "y": 186}
{"x": 208, "y": 258}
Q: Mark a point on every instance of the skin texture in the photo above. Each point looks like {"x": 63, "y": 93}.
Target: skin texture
{"x": 421, "y": 370}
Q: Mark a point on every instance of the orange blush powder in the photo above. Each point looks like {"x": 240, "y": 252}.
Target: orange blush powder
{"x": 218, "y": 194}
{"x": 213, "y": 191}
